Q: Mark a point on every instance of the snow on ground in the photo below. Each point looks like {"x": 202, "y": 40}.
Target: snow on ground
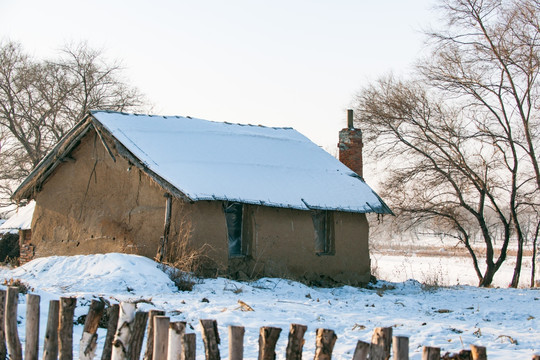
{"x": 451, "y": 318}
{"x": 443, "y": 270}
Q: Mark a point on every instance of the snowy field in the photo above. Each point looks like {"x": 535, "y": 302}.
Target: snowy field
{"x": 443, "y": 270}
{"x": 506, "y": 321}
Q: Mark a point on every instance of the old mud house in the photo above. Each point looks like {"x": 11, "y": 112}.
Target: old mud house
{"x": 258, "y": 201}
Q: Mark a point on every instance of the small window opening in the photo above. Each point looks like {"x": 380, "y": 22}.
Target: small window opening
{"x": 233, "y": 217}
{"x": 324, "y": 232}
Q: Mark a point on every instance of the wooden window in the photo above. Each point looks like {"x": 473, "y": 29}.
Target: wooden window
{"x": 234, "y": 216}
{"x": 323, "y": 222}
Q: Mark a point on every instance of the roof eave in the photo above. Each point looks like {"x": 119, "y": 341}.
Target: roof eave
{"x": 45, "y": 167}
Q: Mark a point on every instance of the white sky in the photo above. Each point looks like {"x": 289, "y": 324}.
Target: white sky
{"x": 275, "y": 62}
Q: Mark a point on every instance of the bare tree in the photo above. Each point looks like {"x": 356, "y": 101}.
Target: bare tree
{"x": 463, "y": 134}
{"x": 41, "y": 100}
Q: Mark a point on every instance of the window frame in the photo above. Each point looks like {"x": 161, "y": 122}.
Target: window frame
{"x": 241, "y": 224}
{"x": 323, "y": 226}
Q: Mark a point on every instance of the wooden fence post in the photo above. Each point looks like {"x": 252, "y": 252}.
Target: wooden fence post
{"x": 50, "y": 344}
{"x": 137, "y": 335}
{"x": 325, "y": 341}
{"x": 3, "y": 347}
{"x": 296, "y": 342}
{"x": 381, "y": 343}
{"x": 122, "y": 336}
{"x": 362, "y": 350}
{"x": 161, "y": 337}
{"x": 88, "y": 343}
{"x": 12, "y": 335}
{"x": 401, "y": 347}
{"x": 177, "y": 330}
{"x": 478, "y": 352}
{"x": 431, "y": 353}
{"x": 189, "y": 347}
{"x": 211, "y": 340}
{"x": 268, "y": 337}
{"x": 112, "y": 312}
{"x": 32, "y": 327}
{"x": 236, "y": 342}
{"x": 65, "y": 328}
{"x": 148, "y": 355}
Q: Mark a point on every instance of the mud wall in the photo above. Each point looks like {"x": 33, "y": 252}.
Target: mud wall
{"x": 94, "y": 205}
{"x": 283, "y": 245}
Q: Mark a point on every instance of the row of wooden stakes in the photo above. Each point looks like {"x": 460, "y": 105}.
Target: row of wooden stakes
{"x": 168, "y": 340}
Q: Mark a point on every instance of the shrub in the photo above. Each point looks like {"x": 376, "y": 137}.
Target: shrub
{"x": 184, "y": 281}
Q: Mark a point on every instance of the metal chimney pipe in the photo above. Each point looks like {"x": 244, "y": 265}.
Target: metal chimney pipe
{"x": 350, "y": 116}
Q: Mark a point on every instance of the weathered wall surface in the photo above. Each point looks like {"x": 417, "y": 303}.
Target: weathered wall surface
{"x": 283, "y": 245}
{"x": 96, "y": 205}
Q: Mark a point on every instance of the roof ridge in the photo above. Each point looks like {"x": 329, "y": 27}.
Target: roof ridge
{"x": 190, "y": 117}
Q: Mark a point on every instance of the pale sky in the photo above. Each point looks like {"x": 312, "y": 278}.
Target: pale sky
{"x": 291, "y": 63}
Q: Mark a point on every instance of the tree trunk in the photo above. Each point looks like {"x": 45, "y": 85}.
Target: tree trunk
{"x": 533, "y": 260}
{"x": 487, "y": 279}
{"x": 519, "y": 261}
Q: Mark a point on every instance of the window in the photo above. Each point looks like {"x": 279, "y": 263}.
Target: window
{"x": 324, "y": 232}
{"x": 234, "y": 217}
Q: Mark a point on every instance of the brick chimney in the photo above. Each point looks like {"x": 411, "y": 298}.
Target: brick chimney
{"x": 350, "y": 146}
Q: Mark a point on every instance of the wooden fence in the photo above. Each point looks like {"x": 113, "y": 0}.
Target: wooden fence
{"x": 168, "y": 340}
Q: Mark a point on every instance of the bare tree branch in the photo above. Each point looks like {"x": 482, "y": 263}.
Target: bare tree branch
{"x": 41, "y": 100}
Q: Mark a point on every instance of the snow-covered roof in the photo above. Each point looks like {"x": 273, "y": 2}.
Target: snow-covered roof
{"x": 20, "y": 220}
{"x": 208, "y": 160}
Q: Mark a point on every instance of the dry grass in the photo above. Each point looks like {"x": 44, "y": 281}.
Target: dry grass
{"x": 184, "y": 263}
{"x": 23, "y": 287}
